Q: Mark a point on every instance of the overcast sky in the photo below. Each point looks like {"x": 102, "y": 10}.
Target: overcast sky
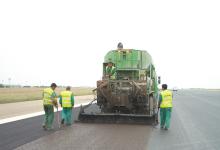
{"x": 65, "y": 41}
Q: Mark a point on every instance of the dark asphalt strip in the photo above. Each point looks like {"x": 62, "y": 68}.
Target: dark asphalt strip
{"x": 17, "y": 133}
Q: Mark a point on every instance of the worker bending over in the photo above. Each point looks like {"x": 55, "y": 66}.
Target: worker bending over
{"x": 67, "y": 102}
{"x": 165, "y": 105}
{"x": 110, "y": 71}
{"x": 49, "y": 101}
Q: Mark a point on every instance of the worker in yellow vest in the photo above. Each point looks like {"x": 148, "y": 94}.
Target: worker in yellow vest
{"x": 110, "y": 71}
{"x": 49, "y": 101}
{"x": 67, "y": 102}
{"x": 165, "y": 105}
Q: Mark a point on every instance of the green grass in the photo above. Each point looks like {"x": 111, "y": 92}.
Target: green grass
{"x": 10, "y": 95}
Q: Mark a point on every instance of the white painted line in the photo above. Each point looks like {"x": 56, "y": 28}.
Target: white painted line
{"x": 16, "y": 118}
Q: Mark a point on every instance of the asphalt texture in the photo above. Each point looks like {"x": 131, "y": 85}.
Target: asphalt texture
{"x": 23, "y": 131}
{"x": 194, "y": 126}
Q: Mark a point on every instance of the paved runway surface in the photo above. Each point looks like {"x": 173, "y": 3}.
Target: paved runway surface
{"x": 194, "y": 126}
{"x": 195, "y": 123}
{"x": 20, "y": 132}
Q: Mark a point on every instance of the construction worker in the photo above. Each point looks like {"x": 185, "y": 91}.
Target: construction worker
{"x": 120, "y": 46}
{"x": 67, "y": 102}
{"x": 110, "y": 71}
{"x": 49, "y": 101}
{"x": 165, "y": 105}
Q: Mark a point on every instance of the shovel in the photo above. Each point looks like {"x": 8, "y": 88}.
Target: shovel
{"x": 58, "y": 117}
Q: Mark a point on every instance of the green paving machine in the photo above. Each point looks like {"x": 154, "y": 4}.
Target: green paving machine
{"x": 131, "y": 96}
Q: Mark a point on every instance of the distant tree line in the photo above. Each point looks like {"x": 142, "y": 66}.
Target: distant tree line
{"x": 26, "y": 86}
{"x": 8, "y": 86}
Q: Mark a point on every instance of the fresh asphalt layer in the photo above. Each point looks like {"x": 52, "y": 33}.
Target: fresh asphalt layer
{"x": 23, "y": 131}
{"x": 194, "y": 126}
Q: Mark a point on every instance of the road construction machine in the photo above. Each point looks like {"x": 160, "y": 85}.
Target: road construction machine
{"x": 131, "y": 96}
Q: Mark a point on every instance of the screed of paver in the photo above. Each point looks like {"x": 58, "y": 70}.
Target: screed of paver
{"x": 94, "y": 137}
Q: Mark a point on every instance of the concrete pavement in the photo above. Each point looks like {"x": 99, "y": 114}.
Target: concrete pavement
{"x": 194, "y": 125}
{"x": 23, "y": 108}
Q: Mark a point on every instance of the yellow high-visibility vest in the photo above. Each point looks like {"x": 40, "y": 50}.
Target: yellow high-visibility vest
{"x": 47, "y": 93}
{"x": 112, "y": 74}
{"x": 66, "y": 98}
{"x": 167, "y": 98}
